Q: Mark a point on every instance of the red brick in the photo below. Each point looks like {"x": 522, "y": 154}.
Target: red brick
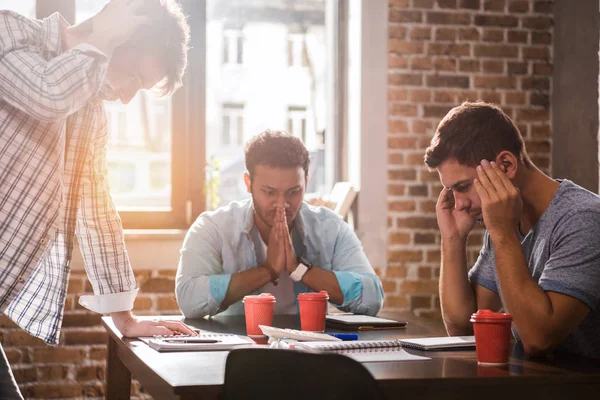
{"x": 536, "y": 53}
{"x": 429, "y": 176}
{"x": 98, "y": 353}
{"x": 449, "y": 49}
{"x": 444, "y": 18}
{"x": 533, "y": 115}
{"x": 25, "y": 374}
{"x": 434, "y": 256}
{"x": 397, "y": 126}
{"x": 518, "y": 6}
{"x": 420, "y": 95}
{"x": 420, "y": 302}
{"x": 13, "y": 355}
{"x": 518, "y": 36}
{"x": 542, "y": 147}
{"x": 402, "y": 142}
{"x": 20, "y": 338}
{"x": 167, "y": 272}
{"x": 398, "y": 3}
{"x": 142, "y": 303}
{"x": 405, "y": 255}
{"x": 469, "y": 4}
{"x": 403, "y": 110}
{"x": 446, "y": 3}
{"x": 405, "y": 16}
{"x": 493, "y": 35}
{"x": 90, "y": 373}
{"x": 396, "y": 272}
{"x": 468, "y": 65}
{"x": 424, "y": 238}
{"x": 468, "y": 34}
{"x": 545, "y": 7}
{"x": 389, "y": 285}
{"x": 79, "y": 336}
{"x": 538, "y": 23}
{"x": 6, "y": 322}
{"x": 399, "y": 238}
{"x": 167, "y": 303}
{"x": 518, "y": 68}
{"x": 405, "y": 79}
{"x": 402, "y": 206}
{"x": 539, "y": 99}
{"x": 444, "y": 64}
{"x": 535, "y": 83}
{"x": 421, "y": 127}
{"x": 417, "y": 222}
{"x": 93, "y": 390}
{"x": 421, "y": 63}
{"x": 442, "y": 96}
{"x": 504, "y": 21}
{"x": 541, "y": 38}
{"x": 404, "y": 174}
{"x": 518, "y": 98}
{"x": 405, "y": 47}
{"x": 58, "y": 355}
{"x": 436, "y": 111}
{"x": 396, "y": 301}
{"x": 417, "y": 190}
{"x": 397, "y": 32}
{"x": 397, "y": 94}
{"x": 396, "y": 190}
{"x": 493, "y": 66}
{"x": 53, "y": 372}
{"x": 423, "y": 3}
{"x": 81, "y": 319}
{"x": 496, "y": 50}
{"x": 433, "y": 315}
{"x": 442, "y": 34}
{"x": 448, "y": 81}
{"x": 414, "y": 159}
{"x": 142, "y": 274}
{"x": 542, "y": 69}
{"x": 394, "y": 61}
{"x": 494, "y": 5}
{"x": 541, "y": 131}
{"x": 395, "y": 158}
{"x": 420, "y": 33}
{"x": 428, "y": 206}
{"x": 158, "y": 285}
{"x": 495, "y": 82}
{"x": 75, "y": 286}
{"x": 54, "y": 390}
{"x": 429, "y": 286}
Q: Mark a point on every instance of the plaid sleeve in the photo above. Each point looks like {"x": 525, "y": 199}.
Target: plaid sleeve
{"x": 47, "y": 90}
{"x": 100, "y": 232}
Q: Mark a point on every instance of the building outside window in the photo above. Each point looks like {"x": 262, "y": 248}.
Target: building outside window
{"x": 233, "y": 46}
{"x": 297, "y": 122}
{"x": 232, "y": 133}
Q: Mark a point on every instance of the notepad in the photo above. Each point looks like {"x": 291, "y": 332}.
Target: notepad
{"x": 367, "y": 350}
{"x": 439, "y": 343}
{"x": 362, "y": 322}
{"x": 202, "y": 342}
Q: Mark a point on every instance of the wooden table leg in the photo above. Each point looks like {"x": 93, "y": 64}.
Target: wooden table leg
{"x": 118, "y": 377}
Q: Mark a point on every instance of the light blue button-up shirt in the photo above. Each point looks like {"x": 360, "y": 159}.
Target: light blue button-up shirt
{"x": 225, "y": 241}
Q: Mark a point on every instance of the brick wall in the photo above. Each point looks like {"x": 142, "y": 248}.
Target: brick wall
{"x": 77, "y": 367}
{"x": 441, "y": 53}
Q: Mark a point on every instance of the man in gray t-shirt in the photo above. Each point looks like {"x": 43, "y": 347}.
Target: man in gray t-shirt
{"x": 540, "y": 259}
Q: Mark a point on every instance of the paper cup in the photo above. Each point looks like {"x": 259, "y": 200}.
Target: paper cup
{"x": 492, "y": 337}
{"x": 259, "y": 311}
{"x": 313, "y": 309}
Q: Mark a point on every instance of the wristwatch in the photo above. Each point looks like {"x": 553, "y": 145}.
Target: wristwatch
{"x": 300, "y": 270}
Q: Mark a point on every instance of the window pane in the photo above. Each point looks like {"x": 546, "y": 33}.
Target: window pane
{"x": 23, "y": 7}
{"x": 140, "y": 134}
{"x": 264, "y": 83}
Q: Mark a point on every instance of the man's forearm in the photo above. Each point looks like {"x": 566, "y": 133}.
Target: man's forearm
{"x": 457, "y": 298}
{"x": 244, "y": 283}
{"x": 320, "y": 279}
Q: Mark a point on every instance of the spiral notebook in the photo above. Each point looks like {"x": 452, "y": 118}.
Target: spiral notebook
{"x": 367, "y": 350}
{"x": 202, "y": 342}
{"x": 439, "y": 343}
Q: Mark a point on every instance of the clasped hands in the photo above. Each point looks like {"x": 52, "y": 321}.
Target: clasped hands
{"x": 280, "y": 251}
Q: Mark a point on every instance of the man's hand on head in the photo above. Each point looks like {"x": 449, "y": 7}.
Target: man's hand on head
{"x": 501, "y": 201}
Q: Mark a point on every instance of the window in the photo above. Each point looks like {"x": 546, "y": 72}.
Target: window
{"x": 233, "y": 46}
{"x": 297, "y": 122}
{"x": 23, "y": 7}
{"x": 297, "y": 56}
{"x": 232, "y": 133}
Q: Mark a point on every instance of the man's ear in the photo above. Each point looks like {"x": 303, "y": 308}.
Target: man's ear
{"x": 248, "y": 181}
{"x": 508, "y": 163}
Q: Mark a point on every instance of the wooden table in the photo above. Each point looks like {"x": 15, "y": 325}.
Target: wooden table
{"x": 448, "y": 375}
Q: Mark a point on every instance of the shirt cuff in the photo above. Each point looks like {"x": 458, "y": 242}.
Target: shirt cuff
{"x": 109, "y": 303}
{"x": 350, "y": 285}
{"x": 218, "y": 285}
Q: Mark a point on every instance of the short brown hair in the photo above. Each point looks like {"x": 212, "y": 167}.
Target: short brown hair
{"x": 168, "y": 35}
{"x": 276, "y": 149}
{"x": 473, "y": 132}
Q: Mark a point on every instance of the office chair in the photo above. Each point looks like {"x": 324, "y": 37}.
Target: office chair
{"x": 267, "y": 374}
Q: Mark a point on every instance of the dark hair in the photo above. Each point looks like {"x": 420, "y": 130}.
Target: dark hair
{"x": 168, "y": 35}
{"x": 276, "y": 149}
{"x": 473, "y": 132}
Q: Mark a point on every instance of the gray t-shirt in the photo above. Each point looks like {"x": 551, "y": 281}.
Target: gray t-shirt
{"x": 563, "y": 256}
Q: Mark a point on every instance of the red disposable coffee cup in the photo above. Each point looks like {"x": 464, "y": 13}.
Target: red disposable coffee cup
{"x": 259, "y": 311}
{"x": 313, "y": 308}
{"x": 492, "y": 337}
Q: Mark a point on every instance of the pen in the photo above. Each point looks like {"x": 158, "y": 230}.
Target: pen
{"x": 377, "y": 328}
{"x": 345, "y": 336}
{"x": 191, "y": 340}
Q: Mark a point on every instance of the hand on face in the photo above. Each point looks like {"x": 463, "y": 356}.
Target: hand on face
{"x": 276, "y": 260}
{"x": 453, "y": 223}
{"x": 501, "y": 201}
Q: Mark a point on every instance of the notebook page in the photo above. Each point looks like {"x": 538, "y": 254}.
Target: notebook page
{"x": 444, "y": 342}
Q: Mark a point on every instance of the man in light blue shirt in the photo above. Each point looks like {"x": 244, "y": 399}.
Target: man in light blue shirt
{"x": 273, "y": 243}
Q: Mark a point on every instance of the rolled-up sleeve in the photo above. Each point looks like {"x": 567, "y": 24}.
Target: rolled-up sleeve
{"x": 201, "y": 283}
{"x": 362, "y": 290}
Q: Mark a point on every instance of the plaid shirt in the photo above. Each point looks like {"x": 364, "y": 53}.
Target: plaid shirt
{"x": 53, "y": 139}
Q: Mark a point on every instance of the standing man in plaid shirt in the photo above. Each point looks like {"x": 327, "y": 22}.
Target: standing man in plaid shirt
{"x": 53, "y": 137}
